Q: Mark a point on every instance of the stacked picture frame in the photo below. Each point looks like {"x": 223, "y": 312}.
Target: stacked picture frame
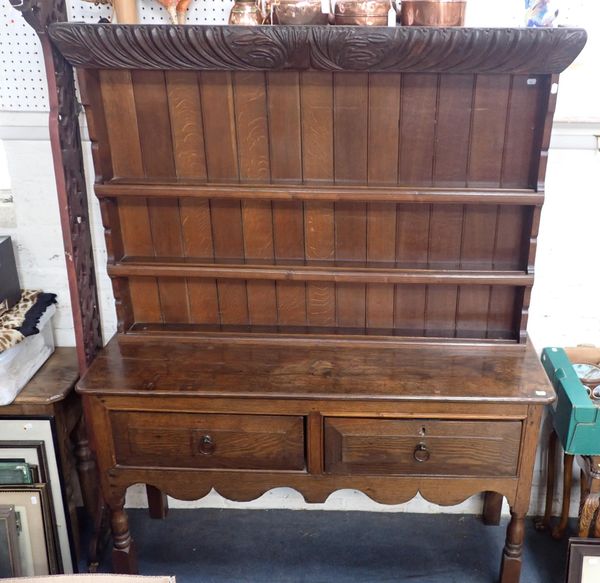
{"x": 29, "y": 541}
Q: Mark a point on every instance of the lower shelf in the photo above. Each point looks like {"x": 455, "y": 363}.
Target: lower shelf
{"x": 308, "y": 334}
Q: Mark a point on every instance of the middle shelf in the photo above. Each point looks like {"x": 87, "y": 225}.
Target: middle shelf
{"x": 316, "y": 270}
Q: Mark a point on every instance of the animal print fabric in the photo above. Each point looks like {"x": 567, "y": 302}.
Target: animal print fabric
{"x": 14, "y": 318}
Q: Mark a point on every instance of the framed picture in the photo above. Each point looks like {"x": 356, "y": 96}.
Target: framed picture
{"x": 37, "y": 549}
{"x": 15, "y": 472}
{"x": 31, "y": 452}
{"x": 10, "y": 562}
{"x": 34, "y": 441}
{"x": 584, "y": 560}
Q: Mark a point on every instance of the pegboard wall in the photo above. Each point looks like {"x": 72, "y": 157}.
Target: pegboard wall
{"x": 22, "y": 77}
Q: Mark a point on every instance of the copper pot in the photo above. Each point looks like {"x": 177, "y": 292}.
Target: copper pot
{"x": 245, "y": 12}
{"x": 433, "y": 12}
{"x": 299, "y": 12}
{"x": 362, "y": 12}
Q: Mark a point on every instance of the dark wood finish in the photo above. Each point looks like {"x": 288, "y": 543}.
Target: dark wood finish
{"x": 322, "y": 243}
{"x": 376, "y": 233}
{"x": 340, "y": 48}
{"x": 491, "y": 401}
{"x": 251, "y": 442}
{"x": 466, "y": 374}
{"x": 559, "y": 530}
{"x": 71, "y": 187}
{"x": 589, "y": 501}
{"x": 158, "y": 504}
{"x": 589, "y": 522}
{"x": 492, "y": 508}
{"x": 421, "y": 447}
{"x": 183, "y": 188}
{"x": 544, "y": 523}
{"x": 50, "y": 394}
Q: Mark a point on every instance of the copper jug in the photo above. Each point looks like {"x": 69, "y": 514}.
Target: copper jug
{"x": 245, "y": 12}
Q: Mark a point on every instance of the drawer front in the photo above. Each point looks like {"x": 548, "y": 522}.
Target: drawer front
{"x": 426, "y": 447}
{"x": 188, "y": 440}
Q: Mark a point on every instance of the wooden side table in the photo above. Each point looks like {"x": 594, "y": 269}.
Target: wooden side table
{"x": 589, "y": 501}
{"x": 576, "y": 426}
{"x": 50, "y": 395}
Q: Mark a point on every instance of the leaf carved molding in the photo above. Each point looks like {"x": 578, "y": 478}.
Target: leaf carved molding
{"x": 328, "y": 48}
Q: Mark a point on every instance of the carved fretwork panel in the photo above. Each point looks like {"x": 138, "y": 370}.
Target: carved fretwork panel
{"x": 70, "y": 179}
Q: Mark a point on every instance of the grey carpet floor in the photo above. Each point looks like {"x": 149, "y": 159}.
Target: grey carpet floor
{"x": 285, "y": 546}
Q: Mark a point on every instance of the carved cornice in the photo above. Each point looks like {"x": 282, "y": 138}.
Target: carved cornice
{"x": 329, "y": 48}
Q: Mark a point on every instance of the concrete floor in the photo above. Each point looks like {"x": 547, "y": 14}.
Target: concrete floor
{"x": 259, "y": 546}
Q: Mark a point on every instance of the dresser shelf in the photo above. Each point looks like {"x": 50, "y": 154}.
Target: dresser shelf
{"x": 322, "y": 245}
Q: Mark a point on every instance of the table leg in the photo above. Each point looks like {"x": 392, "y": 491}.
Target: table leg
{"x": 86, "y": 469}
{"x": 559, "y": 530}
{"x": 124, "y": 556}
{"x": 512, "y": 556}
{"x": 492, "y": 508}
{"x": 587, "y": 514}
{"x": 544, "y": 524}
{"x": 158, "y": 505}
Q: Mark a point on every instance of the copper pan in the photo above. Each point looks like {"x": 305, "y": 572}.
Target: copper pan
{"x": 362, "y": 12}
{"x": 433, "y": 12}
{"x": 299, "y": 12}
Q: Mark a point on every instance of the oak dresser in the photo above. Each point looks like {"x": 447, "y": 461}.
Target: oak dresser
{"x": 321, "y": 242}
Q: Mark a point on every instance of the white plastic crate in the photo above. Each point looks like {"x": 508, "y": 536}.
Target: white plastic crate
{"x": 19, "y": 363}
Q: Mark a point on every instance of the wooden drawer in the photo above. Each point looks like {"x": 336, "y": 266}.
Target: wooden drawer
{"x": 188, "y": 440}
{"x": 422, "y": 446}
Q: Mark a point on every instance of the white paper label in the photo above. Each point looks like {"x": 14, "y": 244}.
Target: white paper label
{"x": 325, "y": 6}
{"x": 531, "y": 81}
{"x": 391, "y": 17}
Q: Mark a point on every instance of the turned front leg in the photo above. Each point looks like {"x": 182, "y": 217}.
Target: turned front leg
{"x": 512, "y": 556}
{"x": 124, "y": 556}
{"x": 86, "y": 469}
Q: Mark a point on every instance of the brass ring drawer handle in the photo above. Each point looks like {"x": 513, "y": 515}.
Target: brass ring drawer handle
{"x": 421, "y": 453}
{"x": 207, "y": 446}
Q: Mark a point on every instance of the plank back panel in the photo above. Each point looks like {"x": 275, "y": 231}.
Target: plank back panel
{"x": 335, "y": 236}
{"x": 439, "y": 311}
{"x": 318, "y": 128}
{"x": 218, "y": 118}
{"x": 453, "y": 130}
{"x": 152, "y": 106}
{"x": 417, "y": 129}
{"x": 488, "y": 132}
{"x": 383, "y": 128}
{"x": 185, "y": 112}
{"x": 197, "y": 238}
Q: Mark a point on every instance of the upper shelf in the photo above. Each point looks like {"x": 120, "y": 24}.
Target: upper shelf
{"x": 325, "y": 48}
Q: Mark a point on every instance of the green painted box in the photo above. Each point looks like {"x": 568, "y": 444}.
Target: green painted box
{"x": 576, "y": 417}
